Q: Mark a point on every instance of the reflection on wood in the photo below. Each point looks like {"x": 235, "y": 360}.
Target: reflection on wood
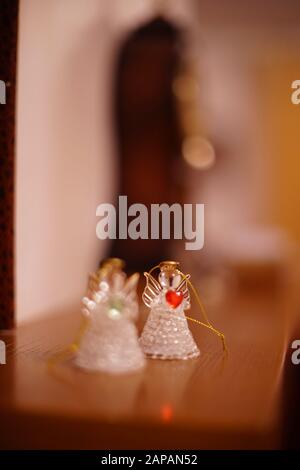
{"x": 208, "y": 402}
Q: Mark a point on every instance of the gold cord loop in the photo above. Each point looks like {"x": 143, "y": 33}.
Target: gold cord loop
{"x": 204, "y": 314}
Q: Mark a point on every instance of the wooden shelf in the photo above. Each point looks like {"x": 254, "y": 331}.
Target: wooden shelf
{"x": 213, "y": 402}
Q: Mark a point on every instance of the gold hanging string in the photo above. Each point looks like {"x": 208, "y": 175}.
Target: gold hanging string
{"x": 207, "y": 323}
{"x": 71, "y": 348}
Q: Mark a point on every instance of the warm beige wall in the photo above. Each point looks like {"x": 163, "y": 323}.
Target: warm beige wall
{"x": 253, "y": 187}
{"x": 64, "y": 150}
{"x": 282, "y": 129}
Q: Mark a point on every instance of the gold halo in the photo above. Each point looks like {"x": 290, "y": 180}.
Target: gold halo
{"x": 116, "y": 263}
{"x": 169, "y": 265}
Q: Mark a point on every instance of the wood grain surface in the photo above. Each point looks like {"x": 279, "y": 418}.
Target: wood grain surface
{"x": 212, "y": 402}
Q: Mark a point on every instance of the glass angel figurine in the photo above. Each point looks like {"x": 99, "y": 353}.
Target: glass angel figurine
{"x": 109, "y": 342}
{"x": 166, "y": 334}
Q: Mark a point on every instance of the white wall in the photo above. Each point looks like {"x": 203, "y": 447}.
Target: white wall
{"x": 65, "y": 157}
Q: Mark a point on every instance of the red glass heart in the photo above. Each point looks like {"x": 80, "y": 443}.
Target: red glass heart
{"x": 174, "y": 298}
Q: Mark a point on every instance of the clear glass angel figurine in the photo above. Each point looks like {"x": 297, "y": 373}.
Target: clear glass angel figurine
{"x": 166, "y": 334}
{"x": 109, "y": 342}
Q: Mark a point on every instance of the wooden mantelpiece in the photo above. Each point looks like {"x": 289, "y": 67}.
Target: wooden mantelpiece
{"x": 207, "y": 403}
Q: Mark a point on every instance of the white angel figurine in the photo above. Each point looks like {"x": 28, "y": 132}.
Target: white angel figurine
{"x": 109, "y": 342}
{"x": 166, "y": 334}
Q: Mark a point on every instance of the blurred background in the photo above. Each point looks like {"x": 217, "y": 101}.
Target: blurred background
{"x": 163, "y": 101}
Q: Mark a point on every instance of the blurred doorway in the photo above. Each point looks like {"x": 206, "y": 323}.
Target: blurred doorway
{"x": 147, "y": 131}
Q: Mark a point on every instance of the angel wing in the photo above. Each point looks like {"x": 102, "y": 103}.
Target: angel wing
{"x": 151, "y": 291}
{"x": 93, "y": 283}
{"x": 183, "y": 287}
{"x": 130, "y": 286}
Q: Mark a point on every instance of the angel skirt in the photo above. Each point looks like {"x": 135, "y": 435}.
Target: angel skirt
{"x": 110, "y": 345}
{"x": 166, "y": 335}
